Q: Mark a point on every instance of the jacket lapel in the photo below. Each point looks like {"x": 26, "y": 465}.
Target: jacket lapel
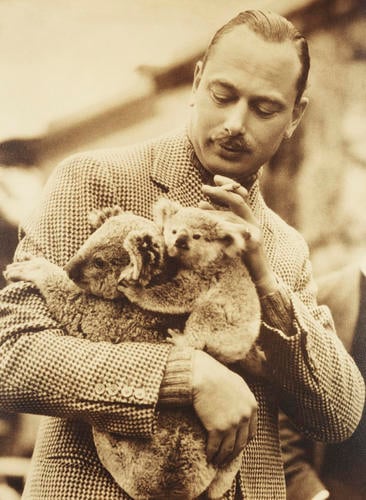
{"x": 177, "y": 171}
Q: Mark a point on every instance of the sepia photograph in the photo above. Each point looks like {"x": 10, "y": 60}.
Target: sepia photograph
{"x": 182, "y": 249}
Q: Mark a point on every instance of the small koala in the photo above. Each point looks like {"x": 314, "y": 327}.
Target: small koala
{"x": 212, "y": 284}
{"x": 180, "y": 274}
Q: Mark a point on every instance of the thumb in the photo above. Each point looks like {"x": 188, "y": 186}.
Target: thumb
{"x": 205, "y": 205}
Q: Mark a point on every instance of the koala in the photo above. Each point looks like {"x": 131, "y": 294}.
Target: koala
{"x": 178, "y": 278}
{"x": 212, "y": 284}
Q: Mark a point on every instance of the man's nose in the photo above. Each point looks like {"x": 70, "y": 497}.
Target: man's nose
{"x": 236, "y": 118}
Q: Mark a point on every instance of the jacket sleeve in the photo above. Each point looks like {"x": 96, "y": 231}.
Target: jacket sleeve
{"x": 44, "y": 371}
{"x": 319, "y": 386}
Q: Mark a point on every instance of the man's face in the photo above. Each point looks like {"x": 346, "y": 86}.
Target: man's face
{"x": 244, "y": 103}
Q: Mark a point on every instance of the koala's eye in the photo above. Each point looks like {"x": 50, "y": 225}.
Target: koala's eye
{"x": 174, "y": 231}
{"x": 196, "y": 236}
{"x": 98, "y": 262}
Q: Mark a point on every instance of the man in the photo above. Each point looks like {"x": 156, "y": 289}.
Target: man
{"x": 247, "y": 96}
{"x": 342, "y": 466}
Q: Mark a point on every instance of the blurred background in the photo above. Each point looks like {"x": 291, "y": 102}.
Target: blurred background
{"x": 95, "y": 74}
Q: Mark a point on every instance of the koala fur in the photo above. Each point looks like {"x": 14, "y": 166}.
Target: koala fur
{"x": 211, "y": 284}
{"x": 126, "y": 258}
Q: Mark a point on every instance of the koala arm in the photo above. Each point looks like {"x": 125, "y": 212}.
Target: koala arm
{"x": 43, "y": 369}
{"x": 175, "y": 296}
{"x": 64, "y": 299}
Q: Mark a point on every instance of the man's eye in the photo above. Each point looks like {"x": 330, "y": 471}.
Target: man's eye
{"x": 265, "y": 111}
{"x": 220, "y": 97}
{"x": 98, "y": 262}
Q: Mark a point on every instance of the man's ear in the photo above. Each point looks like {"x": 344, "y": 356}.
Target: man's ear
{"x": 297, "y": 114}
{"x": 196, "y": 80}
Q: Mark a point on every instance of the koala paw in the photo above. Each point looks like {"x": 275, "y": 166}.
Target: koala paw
{"x": 150, "y": 248}
{"x": 146, "y": 252}
{"x": 34, "y": 270}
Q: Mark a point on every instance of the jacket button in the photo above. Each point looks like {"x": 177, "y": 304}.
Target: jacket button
{"x": 126, "y": 391}
{"x": 112, "y": 389}
{"x": 100, "y": 388}
{"x": 139, "y": 393}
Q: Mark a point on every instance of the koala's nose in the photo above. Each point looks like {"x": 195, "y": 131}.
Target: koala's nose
{"x": 182, "y": 241}
{"x": 74, "y": 270}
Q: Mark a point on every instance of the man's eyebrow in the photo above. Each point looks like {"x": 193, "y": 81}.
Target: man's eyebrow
{"x": 273, "y": 101}
{"x": 225, "y": 84}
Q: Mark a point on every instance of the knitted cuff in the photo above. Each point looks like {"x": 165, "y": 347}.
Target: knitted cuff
{"x": 277, "y": 310}
{"x": 176, "y": 386}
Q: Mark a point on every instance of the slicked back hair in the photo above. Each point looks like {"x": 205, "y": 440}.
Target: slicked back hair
{"x": 272, "y": 28}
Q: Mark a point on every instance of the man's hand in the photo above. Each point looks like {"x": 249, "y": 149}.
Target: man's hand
{"x": 225, "y": 405}
{"x": 231, "y": 194}
{"x": 234, "y": 196}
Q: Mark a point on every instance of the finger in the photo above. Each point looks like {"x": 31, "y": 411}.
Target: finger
{"x": 234, "y": 201}
{"x": 225, "y": 453}
{"x": 205, "y": 205}
{"x": 242, "y": 437}
{"x": 221, "y": 180}
{"x": 213, "y": 444}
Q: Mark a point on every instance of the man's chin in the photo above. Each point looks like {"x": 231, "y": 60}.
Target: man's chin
{"x": 229, "y": 167}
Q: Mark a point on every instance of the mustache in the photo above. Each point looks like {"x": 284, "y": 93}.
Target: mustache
{"x": 237, "y": 142}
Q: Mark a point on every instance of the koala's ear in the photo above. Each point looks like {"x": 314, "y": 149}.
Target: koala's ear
{"x": 97, "y": 217}
{"x": 163, "y": 209}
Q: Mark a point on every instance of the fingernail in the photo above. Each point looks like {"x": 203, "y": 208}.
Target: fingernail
{"x": 232, "y": 187}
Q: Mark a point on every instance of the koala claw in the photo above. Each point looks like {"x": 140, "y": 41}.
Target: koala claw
{"x": 176, "y": 337}
{"x": 128, "y": 277}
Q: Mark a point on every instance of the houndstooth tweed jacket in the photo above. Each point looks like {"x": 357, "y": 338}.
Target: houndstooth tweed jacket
{"x": 76, "y": 383}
